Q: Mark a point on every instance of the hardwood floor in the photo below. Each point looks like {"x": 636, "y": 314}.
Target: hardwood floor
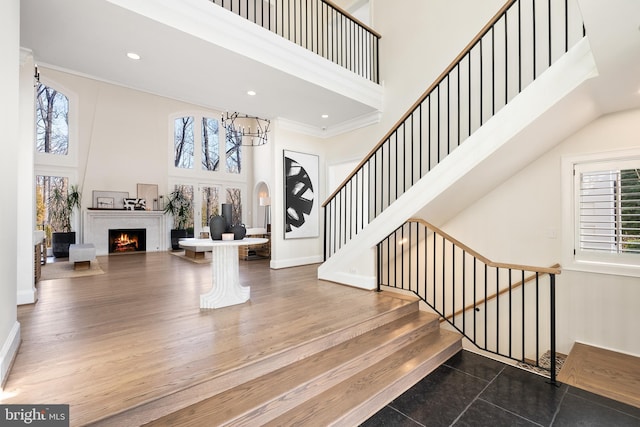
{"x": 136, "y": 336}
{"x": 604, "y": 372}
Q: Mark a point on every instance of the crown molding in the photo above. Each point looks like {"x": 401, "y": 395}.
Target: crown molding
{"x": 329, "y": 132}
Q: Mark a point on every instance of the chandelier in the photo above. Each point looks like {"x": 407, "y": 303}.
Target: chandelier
{"x": 248, "y": 130}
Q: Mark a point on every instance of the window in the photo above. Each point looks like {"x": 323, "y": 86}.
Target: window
{"x": 234, "y": 197}
{"x": 52, "y": 121}
{"x": 187, "y": 190}
{"x": 45, "y": 186}
{"x": 233, "y": 151}
{"x": 210, "y": 203}
{"x": 210, "y": 144}
{"x": 607, "y": 212}
{"x": 196, "y": 139}
{"x": 208, "y": 163}
{"x": 183, "y": 142}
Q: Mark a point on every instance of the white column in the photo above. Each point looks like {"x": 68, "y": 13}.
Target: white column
{"x": 9, "y": 117}
{"x": 27, "y": 293}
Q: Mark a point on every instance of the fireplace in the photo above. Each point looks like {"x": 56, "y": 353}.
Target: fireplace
{"x": 122, "y": 240}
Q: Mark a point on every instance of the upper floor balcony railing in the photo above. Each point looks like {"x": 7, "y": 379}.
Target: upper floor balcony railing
{"x": 316, "y": 25}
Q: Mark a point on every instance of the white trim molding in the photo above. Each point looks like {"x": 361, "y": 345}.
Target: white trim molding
{"x": 330, "y": 132}
{"x": 8, "y": 352}
{"x": 569, "y": 259}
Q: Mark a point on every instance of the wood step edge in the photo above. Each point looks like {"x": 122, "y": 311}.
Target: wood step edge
{"x": 264, "y": 398}
{"x": 356, "y": 399}
{"x": 160, "y": 406}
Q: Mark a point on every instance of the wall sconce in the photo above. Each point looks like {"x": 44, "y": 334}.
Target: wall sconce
{"x": 36, "y": 77}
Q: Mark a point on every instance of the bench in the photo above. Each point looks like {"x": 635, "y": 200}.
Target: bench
{"x": 81, "y": 255}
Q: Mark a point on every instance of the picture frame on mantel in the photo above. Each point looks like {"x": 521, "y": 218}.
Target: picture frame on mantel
{"x": 116, "y": 196}
{"x": 301, "y": 196}
{"x": 105, "y": 202}
{"x": 149, "y": 192}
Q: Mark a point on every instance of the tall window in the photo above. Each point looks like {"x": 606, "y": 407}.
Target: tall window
{"x": 608, "y": 210}
{"x": 234, "y": 196}
{"x": 52, "y": 121}
{"x": 183, "y": 142}
{"x": 210, "y": 144}
{"x": 233, "y": 151}
{"x": 188, "y": 193}
{"x": 45, "y": 186}
{"x": 210, "y": 203}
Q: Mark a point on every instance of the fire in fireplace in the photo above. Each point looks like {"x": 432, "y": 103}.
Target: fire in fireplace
{"x": 127, "y": 240}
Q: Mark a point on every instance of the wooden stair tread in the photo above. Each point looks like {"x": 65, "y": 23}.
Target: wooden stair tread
{"x": 264, "y": 398}
{"x": 603, "y": 372}
{"x": 156, "y": 408}
{"x": 359, "y": 397}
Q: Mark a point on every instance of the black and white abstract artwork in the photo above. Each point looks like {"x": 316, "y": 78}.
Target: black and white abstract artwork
{"x": 300, "y": 195}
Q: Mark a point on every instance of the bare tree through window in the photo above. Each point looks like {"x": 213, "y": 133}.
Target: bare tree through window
{"x": 52, "y": 121}
{"x": 233, "y": 151}
{"x": 234, "y": 197}
{"x": 45, "y": 186}
{"x": 183, "y": 142}
{"x": 210, "y": 144}
{"x": 210, "y": 203}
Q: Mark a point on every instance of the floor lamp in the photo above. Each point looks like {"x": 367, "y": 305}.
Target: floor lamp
{"x": 266, "y": 202}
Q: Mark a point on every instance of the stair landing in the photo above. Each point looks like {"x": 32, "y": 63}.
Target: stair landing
{"x": 604, "y": 372}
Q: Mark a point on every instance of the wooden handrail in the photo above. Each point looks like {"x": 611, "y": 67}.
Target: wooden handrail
{"x": 353, "y": 18}
{"x": 495, "y": 295}
{"x": 487, "y": 261}
{"x": 424, "y": 96}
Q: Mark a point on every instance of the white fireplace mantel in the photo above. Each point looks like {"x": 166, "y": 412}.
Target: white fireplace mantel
{"x": 97, "y": 224}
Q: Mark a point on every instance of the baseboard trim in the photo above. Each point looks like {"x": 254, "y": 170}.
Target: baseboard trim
{"x": 27, "y": 297}
{"x": 8, "y": 353}
{"x": 295, "y": 262}
{"x": 350, "y": 279}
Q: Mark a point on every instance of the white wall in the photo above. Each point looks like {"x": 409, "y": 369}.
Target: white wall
{"x": 125, "y": 138}
{"x": 292, "y": 252}
{"x": 27, "y": 292}
{"x": 419, "y": 40}
{"x": 9, "y": 117}
{"x": 521, "y": 222}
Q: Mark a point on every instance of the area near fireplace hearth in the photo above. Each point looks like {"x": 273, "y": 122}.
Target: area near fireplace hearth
{"x": 145, "y": 231}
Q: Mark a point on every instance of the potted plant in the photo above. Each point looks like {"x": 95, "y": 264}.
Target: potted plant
{"x": 179, "y": 205}
{"x": 61, "y": 206}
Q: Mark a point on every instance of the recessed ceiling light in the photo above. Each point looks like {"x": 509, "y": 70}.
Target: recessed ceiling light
{"x": 133, "y": 55}
{"x": 325, "y": 116}
{"x": 251, "y": 93}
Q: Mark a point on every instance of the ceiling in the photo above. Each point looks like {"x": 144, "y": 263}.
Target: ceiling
{"x": 92, "y": 37}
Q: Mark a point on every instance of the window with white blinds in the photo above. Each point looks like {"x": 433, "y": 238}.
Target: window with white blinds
{"x": 608, "y": 211}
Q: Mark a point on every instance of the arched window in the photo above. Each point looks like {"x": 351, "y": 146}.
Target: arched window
{"x": 52, "y": 121}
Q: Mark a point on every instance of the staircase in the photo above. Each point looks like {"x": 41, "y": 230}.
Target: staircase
{"x": 341, "y": 377}
{"x": 482, "y": 120}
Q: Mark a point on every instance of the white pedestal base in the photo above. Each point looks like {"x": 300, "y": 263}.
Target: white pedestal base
{"x": 226, "y": 289}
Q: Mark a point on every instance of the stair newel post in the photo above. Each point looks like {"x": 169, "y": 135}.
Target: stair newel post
{"x": 552, "y": 303}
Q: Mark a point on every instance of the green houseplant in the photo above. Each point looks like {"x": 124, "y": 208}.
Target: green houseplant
{"x": 180, "y": 206}
{"x": 61, "y": 205}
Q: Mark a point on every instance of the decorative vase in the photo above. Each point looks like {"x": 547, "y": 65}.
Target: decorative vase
{"x": 216, "y": 227}
{"x": 239, "y": 231}
{"x": 227, "y": 214}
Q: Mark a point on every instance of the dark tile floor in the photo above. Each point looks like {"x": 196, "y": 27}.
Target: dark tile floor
{"x": 472, "y": 390}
